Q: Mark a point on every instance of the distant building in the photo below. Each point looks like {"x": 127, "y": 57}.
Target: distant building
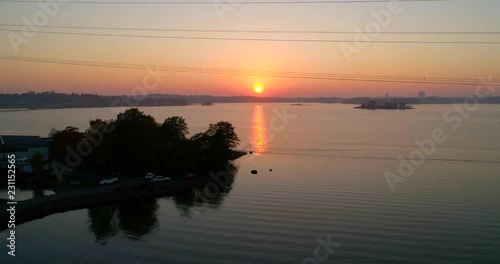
{"x": 23, "y": 147}
{"x": 421, "y": 94}
{"x": 387, "y": 95}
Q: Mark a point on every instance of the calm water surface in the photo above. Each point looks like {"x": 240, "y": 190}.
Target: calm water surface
{"x": 326, "y": 180}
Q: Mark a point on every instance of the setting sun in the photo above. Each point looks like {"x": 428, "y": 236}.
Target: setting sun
{"x": 258, "y": 88}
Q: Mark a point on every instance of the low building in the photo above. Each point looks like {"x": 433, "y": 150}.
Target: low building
{"x": 23, "y": 147}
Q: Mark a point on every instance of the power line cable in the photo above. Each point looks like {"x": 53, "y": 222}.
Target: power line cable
{"x": 296, "y": 75}
{"x": 257, "y": 39}
{"x": 266, "y": 31}
{"x": 213, "y": 3}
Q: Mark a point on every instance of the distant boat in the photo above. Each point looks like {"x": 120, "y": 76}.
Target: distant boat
{"x": 207, "y": 104}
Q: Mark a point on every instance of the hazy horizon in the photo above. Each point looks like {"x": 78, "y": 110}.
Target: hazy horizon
{"x": 251, "y": 95}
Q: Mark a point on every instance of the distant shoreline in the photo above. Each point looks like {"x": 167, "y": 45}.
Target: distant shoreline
{"x": 52, "y": 100}
{"x": 4, "y": 109}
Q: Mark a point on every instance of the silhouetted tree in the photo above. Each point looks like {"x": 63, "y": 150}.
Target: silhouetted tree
{"x": 202, "y": 141}
{"x": 65, "y": 139}
{"x": 173, "y": 129}
{"x": 222, "y": 136}
{"x": 134, "y": 140}
{"x": 99, "y": 135}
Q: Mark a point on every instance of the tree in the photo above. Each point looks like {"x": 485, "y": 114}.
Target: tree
{"x": 173, "y": 129}
{"x": 37, "y": 162}
{"x": 202, "y": 141}
{"x": 98, "y": 126}
{"x": 64, "y": 139}
{"x": 134, "y": 140}
{"x": 99, "y": 136}
{"x": 222, "y": 136}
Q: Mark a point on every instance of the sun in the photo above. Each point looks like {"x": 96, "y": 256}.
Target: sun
{"x": 258, "y": 88}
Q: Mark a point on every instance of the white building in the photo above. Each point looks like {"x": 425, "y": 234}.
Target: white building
{"x": 24, "y": 147}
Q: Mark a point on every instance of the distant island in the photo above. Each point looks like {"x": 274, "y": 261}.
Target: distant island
{"x": 372, "y": 105}
{"x": 419, "y": 100}
{"x": 45, "y": 100}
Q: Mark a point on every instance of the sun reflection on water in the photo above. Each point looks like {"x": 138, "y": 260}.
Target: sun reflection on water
{"x": 258, "y": 134}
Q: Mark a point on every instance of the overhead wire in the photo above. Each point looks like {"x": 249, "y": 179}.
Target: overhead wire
{"x": 258, "y": 39}
{"x": 277, "y": 74}
{"x": 214, "y": 2}
{"x": 261, "y": 31}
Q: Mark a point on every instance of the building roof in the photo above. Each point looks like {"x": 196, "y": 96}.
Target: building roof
{"x": 22, "y": 142}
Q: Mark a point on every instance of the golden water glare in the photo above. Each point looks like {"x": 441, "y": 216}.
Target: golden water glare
{"x": 258, "y": 134}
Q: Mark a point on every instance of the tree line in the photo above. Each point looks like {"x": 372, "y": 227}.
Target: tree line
{"x": 134, "y": 143}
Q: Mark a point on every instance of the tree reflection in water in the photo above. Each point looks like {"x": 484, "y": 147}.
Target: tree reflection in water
{"x": 103, "y": 222}
{"x": 138, "y": 218}
{"x": 134, "y": 218}
{"x": 210, "y": 192}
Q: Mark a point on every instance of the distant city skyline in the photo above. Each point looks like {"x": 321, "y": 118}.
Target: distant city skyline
{"x": 218, "y": 47}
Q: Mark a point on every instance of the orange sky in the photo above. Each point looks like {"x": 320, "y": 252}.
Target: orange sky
{"x": 429, "y": 60}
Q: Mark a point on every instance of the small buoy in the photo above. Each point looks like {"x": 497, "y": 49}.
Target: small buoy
{"x": 251, "y": 152}
{"x": 254, "y": 171}
{"x": 270, "y": 169}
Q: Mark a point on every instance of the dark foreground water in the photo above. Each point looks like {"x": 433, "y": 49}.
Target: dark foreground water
{"x": 327, "y": 183}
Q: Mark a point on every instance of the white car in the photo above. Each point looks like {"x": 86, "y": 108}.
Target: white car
{"x": 108, "y": 181}
{"x": 160, "y": 179}
{"x": 149, "y": 176}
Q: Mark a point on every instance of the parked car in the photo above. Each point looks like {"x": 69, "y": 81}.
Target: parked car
{"x": 149, "y": 176}
{"x": 160, "y": 178}
{"x": 108, "y": 181}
